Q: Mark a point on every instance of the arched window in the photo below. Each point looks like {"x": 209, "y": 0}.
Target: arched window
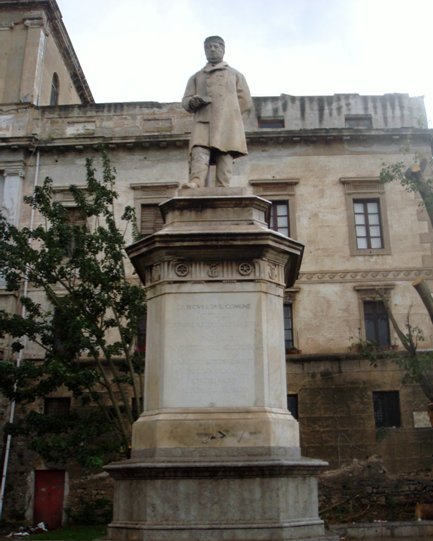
{"x": 54, "y": 98}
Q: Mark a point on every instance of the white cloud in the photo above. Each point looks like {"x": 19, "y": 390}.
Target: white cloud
{"x": 145, "y": 50}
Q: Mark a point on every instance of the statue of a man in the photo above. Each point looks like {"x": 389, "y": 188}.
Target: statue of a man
{"x": 217, "y": 95}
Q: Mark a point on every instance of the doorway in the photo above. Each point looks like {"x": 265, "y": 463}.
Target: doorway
{"x": 49, "y": 496}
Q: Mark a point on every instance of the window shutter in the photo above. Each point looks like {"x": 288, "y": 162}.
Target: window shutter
{"x": 151, "y": 219}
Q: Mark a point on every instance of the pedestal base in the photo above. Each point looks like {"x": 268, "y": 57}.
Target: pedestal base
{"x": 188, "y": 434}
{"x": 211, "y": 501}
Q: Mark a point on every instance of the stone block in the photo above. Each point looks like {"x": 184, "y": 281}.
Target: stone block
{"x": 244, "y": 501}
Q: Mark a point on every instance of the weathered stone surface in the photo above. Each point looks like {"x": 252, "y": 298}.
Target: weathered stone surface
{"x": 240, "y": 501}
{"x": 214, "y": 278}
{"x": 215, "y": 454}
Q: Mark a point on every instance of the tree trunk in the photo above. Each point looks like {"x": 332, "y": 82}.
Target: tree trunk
{"x": 424, "y": 292}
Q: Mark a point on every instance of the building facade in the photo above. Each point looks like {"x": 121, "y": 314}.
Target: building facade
{"x": 317, "y": 159}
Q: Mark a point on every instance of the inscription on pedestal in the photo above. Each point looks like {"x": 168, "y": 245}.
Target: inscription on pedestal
{"x": 211, "y": 356}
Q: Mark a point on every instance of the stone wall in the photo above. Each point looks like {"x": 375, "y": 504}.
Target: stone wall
{"x": 365, "y": 491}
{"x": 336, "y": 414}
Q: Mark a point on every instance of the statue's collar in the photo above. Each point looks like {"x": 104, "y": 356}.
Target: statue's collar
{"x": 212, "y": 67}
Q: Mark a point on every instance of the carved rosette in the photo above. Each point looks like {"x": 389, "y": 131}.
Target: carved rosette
{"x": 202, "y": 271}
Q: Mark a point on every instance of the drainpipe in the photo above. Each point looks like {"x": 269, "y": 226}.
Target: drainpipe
{"x": 18, "y": 363}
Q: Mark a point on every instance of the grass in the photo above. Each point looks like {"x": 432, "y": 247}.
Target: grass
{"x": 72, "y": 533}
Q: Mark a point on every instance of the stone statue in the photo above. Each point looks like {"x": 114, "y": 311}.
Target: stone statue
{"x": 217, "y": 95}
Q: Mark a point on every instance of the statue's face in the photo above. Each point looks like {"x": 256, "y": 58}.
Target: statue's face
{"x": 214, "y": 51}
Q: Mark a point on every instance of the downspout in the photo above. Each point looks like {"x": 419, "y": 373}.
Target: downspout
{"x": 18, "y": 362}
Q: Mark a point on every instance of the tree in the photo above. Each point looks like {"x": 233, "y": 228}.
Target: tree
{"x": 413, "y": 179}
{"x": 417, "y": 366}
{"x": 86, "y": 329}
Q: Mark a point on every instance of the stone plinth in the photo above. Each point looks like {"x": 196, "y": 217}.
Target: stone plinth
{"x": 215, "y": 453}
{"x": 236, "y": 501}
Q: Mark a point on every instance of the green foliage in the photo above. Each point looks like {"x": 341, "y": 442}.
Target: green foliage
{"x": 412, "y": 179}
{"x": 83, "y": 435}
{"x": 418, "y": 366}
{"x": 87, "y": 329}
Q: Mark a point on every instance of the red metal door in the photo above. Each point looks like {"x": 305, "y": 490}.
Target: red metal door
{"x": 49, "y": 493}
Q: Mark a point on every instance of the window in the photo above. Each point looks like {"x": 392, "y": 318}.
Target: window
{"x": 147, "y": 198}
{"x": 358, "y": 121}
{"x": 288, "y": 326}
{"x": 75, "y": 216}
{"x": 271, "y": 122}
{"x": 141, "y": 334}
{"x": 60, "y": 332}
{"x": 57, "y": 405}
{"x": 292, "y": 405}
{"x": 2, "y": 188}
{"x": 151, "y": 219}
{"x": 367, "y": 217}
{"x": 386, "y": 406}
{"x": 279, "y": 217}
{"x": 136, "y": 406}
{"x": 368, "y": 228}
{"x": 55, "y": 87}
{"x": 376, "y": 323}
{"x": 77, "y": 220}
{"x": 281, "y": 193}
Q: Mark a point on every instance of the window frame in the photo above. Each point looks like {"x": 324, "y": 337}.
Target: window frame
{"x": 273, "y": 216}
{"x": 271, "y": 123}
{"x": 290, "y": 295}
{"x": 366, "y": 188}
{"x": 55, "y": 401}
{"x": 356, "y": 120}
{"x": 151, "y": 194}
{"x": 388, "y": 416}
{"x": 158, "y": 220}
{"x": 293, "y": 400}
{"x": 366, "y": 214}
{"x": 279, "y": 190}
{"x": 141, "y": 338}
{"x": 373, "y": 292}
{"x": 376, "y": 340}
{"x": 76, "y": 220}
{"x": 288, "y": 345}
{"x": 55, "y": 90}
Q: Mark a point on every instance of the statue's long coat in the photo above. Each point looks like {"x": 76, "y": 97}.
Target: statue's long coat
{"x": 219, "y": 124}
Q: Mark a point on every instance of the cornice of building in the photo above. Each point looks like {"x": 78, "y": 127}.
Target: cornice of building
{"x": 163, "y": 140}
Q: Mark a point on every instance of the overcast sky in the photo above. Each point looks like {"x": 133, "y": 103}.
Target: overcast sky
{"x": 145, "y": 50}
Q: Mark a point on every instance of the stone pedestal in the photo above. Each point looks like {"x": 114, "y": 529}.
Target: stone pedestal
{"x": 215, "y": 453}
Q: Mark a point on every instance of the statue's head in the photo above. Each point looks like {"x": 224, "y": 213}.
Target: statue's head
{"x": 214, "y": 48}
